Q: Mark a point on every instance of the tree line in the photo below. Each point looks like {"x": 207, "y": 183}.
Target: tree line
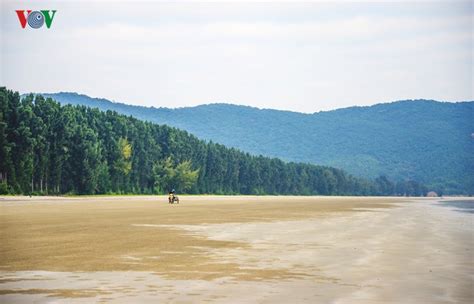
{"x": 46, "y": 148}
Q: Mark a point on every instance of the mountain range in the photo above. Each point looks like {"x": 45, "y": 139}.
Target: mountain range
{"x": 424, "y": 140}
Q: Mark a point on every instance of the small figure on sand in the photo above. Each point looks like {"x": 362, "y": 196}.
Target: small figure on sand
{"x": 172, "y": 197}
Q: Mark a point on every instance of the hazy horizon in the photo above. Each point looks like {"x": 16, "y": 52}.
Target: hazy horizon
{"x": 303, "y": 57}
{"x": 234, "y": 104}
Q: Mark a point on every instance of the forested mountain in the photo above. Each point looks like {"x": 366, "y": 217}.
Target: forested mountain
{"x": 54, "y": 149}
{"x": 421, "y": 140}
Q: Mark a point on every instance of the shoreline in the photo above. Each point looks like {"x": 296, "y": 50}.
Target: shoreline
{"x": 217, "y": 196}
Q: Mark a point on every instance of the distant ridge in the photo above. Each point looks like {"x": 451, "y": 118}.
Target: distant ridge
{"x": 424, "y": 140}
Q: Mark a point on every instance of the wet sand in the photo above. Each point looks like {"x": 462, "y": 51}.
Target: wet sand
{"x": 234, "y": 250}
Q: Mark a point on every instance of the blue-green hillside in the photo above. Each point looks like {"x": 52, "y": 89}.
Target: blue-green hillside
{"x": 424, "y": 140}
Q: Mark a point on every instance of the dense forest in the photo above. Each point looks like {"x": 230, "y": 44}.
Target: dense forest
{"x": 48, "y": 148}
{"x": 423, "y": 140}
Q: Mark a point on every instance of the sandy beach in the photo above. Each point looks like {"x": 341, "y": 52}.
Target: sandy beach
{"x": 219, "y": 249}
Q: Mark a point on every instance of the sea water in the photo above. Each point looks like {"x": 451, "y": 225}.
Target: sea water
{"x": 461, "y": 205}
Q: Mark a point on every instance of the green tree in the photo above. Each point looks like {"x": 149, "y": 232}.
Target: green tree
{"x": 181, "y": 176}
{"x": 123, "y": 163}
{"x": 185, "y": 177}
{"x": 163, "y": 175}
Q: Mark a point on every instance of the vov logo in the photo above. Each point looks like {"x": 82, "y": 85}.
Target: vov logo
{"x": 35, "y": 19}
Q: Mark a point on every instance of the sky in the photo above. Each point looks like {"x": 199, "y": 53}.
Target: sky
{"x": 298, "y": 56}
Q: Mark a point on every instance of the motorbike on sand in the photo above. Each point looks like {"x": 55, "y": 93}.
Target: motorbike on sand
{"x": 173, "y": 199}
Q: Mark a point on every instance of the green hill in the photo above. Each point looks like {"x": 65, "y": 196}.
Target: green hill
{"x": 421, "y": 140}
{"x": 47, "y": 148}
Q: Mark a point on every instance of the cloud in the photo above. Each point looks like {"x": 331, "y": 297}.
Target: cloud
{"x": 303, "y": 57}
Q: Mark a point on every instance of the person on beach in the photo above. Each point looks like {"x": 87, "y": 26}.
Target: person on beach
{"x": 171, "y": 196}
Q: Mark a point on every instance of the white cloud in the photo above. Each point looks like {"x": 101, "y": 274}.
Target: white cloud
{"x": 299, "y": 57}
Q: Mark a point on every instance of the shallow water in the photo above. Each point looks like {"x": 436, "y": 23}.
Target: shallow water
{"x": 459, "y": 205}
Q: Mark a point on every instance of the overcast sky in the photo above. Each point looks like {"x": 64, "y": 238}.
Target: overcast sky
{"x": 302, "y": 57}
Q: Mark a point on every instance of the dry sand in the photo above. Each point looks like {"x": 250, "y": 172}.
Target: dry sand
{"x": 234, "y": 250}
